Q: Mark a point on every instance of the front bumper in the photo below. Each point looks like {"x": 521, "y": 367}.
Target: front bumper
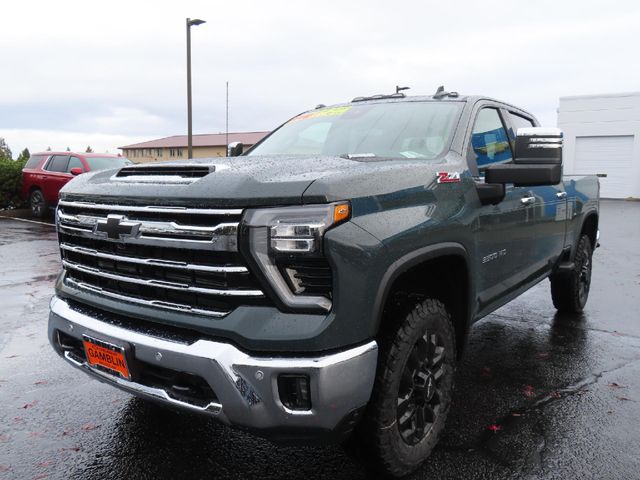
{"x": 245, "y": 386}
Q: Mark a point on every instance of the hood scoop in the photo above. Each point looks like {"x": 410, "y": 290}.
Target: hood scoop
{"x": 163, "y": 173}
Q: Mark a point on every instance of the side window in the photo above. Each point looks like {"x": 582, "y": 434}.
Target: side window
{"x": 489, "y": 140}
{"x": 33, "y": 161}
{"x": 517, "y": 121}
{"x": 74, "y": 162}
{"x": 58, "y": 163}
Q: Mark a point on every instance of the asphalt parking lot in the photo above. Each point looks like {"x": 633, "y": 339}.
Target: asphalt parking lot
{"x": 538, "y": 395}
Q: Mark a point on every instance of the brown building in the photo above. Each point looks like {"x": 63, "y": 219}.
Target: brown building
{"x": 175, "y": 147}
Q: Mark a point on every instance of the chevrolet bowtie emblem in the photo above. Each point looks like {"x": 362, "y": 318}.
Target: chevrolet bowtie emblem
{"x": 116, "y": 227}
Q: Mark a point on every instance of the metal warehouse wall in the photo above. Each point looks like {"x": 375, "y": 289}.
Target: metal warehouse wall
{"x": 602, "y": 135}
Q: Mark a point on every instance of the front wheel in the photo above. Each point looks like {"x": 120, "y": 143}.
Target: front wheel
{"x": 413, "y": 388}
{"x": 570, "y": 290}
{"x": 38, "y": 204}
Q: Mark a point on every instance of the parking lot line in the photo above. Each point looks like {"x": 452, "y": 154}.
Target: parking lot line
{"x": 30, "y": 221}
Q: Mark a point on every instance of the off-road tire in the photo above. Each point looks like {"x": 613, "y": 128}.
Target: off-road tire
{"x": 401, "y": 346}
{"x": 570, "y": 290}
{"x": 38, "y": 204}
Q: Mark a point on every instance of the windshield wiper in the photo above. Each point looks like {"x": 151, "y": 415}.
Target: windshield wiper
{"x": 351, "y": 156}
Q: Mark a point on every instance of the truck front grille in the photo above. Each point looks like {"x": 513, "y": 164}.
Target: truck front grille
{"x": 170, "y": 258}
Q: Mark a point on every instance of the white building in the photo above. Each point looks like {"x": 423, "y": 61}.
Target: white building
{"x": 602, "y": 135}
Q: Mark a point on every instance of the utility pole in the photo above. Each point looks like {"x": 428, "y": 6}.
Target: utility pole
{"x": 227, "y": 119}
{"x": 190, "y": 22}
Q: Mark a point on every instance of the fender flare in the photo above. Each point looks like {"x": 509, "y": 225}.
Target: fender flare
{"x": 414, "y": 258}
{"x": 592, "y": 212}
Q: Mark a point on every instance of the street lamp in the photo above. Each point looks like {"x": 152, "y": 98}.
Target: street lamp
{"x": 195, "y": 21}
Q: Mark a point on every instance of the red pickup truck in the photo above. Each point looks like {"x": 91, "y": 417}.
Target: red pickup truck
{"x": 47, "y": 172}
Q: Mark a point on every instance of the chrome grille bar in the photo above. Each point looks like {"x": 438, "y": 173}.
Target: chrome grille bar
{"x": 223, "y": 243}
{"x": 149, "y": 208}
{"x": 160, "y": 283}
{"x": 148, "y": 303}
{"x": 154, "y": 262}
{"x": 156, "y": 229}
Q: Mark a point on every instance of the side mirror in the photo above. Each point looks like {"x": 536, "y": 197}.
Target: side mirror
{"x": 235, "y": 149}
{"x": 537, "y": 160}
{"x": 524, "y": 175}
{"x": 76, "y": 171}
{"x": 537, "y": 145}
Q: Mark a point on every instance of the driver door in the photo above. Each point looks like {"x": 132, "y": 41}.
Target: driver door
{"x": 504, "y": 233}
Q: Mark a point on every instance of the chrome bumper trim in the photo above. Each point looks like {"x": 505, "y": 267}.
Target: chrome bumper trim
{"x": 245, "y": 385}
{"x": 142, "y": 390}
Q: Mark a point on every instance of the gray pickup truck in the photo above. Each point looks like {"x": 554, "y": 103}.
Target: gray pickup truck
{"x": 322, "y": 284}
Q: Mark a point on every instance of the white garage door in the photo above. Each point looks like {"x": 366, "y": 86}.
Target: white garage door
{"x": 612, "y": 155}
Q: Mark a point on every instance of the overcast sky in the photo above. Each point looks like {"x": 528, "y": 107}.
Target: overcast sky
{"x": 107, "y": 74}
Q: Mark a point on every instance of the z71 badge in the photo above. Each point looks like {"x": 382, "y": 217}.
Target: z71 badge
{"x": 448, "y": 177}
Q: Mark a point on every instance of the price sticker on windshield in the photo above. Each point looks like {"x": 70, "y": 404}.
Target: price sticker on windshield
{"x": 323, "y": 112}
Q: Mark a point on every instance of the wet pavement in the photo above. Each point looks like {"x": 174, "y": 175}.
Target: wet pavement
{"x": 538, "y": 395}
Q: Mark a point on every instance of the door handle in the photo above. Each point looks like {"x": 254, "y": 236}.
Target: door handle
{"x": 561, "y": 195}
{"x": 528, "y": 200}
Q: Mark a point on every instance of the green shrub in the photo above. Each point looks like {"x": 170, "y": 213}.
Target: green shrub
{"x": 10, "y": 183}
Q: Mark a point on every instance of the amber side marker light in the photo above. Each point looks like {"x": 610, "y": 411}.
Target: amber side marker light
{"x": 341, "y": 212}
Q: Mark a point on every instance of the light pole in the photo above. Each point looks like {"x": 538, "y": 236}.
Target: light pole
{"x": 190, "y": 22}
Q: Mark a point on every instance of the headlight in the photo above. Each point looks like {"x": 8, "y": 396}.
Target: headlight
{"x": 282, "y": 239}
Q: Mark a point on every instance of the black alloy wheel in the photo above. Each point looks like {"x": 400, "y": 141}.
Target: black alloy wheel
{"x": 570, "y": 289}
{"x": 419, "y": 395}
{"x": 412, "y": 392}
{"x": 584, "y": 279}
{"x": 38, "y": 204}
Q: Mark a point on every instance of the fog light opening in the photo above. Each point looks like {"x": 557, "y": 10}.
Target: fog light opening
{"x": 294, "y": 391}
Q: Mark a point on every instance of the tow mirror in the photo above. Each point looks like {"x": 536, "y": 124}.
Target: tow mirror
{"x": 530, "y": 175}
{"x": 537, "y": 160}
{"x": 538, "y": 146}
{"x": 235, "y": 149}
{"x": 76, "y": 171}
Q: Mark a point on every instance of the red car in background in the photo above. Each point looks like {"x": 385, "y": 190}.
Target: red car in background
{"x": 47, "y": 172}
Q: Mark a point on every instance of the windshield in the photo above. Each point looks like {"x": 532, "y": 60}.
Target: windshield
{"x": 103, "y": 163}
{"x": 395, "y": 130}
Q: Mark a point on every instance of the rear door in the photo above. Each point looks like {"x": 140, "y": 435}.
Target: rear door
{"x": 548, "y": 207}
{"x": 504, "y": 233}
{"x": 55, "y": 176}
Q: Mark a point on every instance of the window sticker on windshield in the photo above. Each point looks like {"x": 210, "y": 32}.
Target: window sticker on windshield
{"x": 325, "y": 112}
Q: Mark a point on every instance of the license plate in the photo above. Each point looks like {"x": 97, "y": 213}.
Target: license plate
{"x": 105, "y": 355}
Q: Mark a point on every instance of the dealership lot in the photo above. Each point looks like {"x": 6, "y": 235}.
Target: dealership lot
{"x": 538, "y": 395}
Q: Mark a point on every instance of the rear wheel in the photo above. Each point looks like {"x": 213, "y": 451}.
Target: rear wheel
{"x": 570, "y": 290}
{"x": 39, "y": 207}
{"x": 412, "y": 393}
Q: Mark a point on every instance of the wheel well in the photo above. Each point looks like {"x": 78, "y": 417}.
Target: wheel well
{"x": 444, "y": 278}
{"x": 33, "y": 188}
{"x": 590, "y": 228}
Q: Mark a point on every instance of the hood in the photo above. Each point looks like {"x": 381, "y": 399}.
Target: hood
{"x": 254, "y": 181}
{"x": 237, "y": 181}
